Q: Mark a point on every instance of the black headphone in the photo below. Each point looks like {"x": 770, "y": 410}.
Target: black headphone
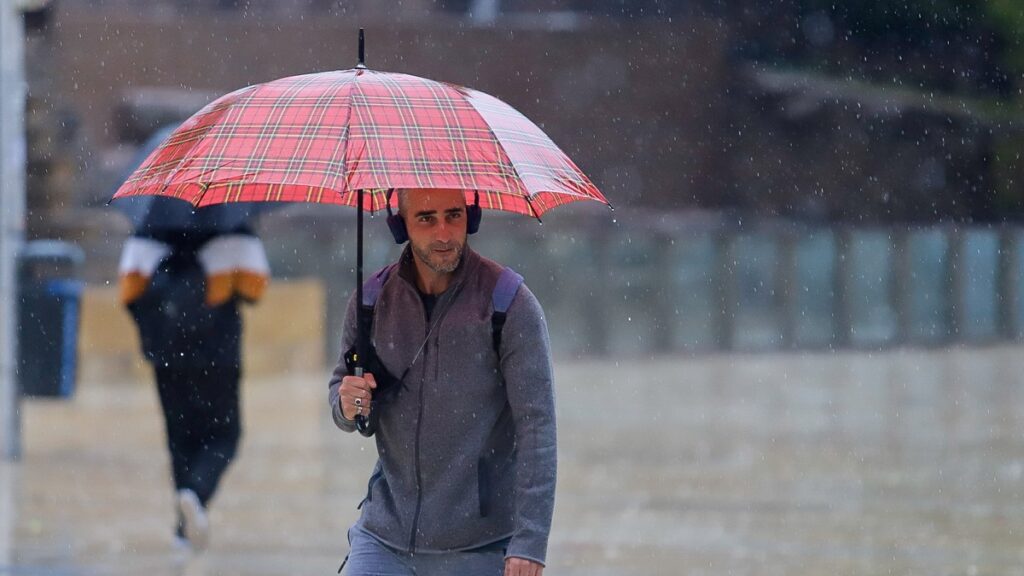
{"x": 401, "y": 234}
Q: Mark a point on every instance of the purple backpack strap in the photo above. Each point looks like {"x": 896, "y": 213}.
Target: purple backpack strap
{"x": 504, "y": 292}
{"x": 375, "y": 283}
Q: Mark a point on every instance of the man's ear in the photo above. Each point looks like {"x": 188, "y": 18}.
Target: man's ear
{"x": 396, "y": 223}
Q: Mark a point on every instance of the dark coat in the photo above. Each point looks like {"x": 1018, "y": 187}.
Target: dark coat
{"x": 176, "y": 327}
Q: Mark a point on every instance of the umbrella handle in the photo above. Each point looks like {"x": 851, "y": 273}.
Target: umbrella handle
{"x": 362, "y": 422}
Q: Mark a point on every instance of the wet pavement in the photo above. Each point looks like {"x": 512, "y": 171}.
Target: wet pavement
{"x": 906, "y": 462}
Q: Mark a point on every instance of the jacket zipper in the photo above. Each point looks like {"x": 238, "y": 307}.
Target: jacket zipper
{"x": 419, "y": 428}
{"x": 419, "y": 474}
{"x": 438, "y": 309}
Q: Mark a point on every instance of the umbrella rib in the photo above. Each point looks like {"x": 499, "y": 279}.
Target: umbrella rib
{"x": 174, "y": 172}
{"x": 532, "y": 209}
{"x": 203, "y": 187}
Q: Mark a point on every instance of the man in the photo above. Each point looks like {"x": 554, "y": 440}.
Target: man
{"x": 465, "y": 479}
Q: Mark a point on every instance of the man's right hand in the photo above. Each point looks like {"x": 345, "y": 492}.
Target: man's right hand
{"x": 355, "y": 394}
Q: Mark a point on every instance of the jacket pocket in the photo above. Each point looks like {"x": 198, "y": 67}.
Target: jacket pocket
{"x": 483, "y": 479}
{"x": 369, "y": 487}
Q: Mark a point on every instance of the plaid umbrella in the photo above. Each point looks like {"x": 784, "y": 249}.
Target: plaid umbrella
{"x": 323, "y": 137}
{"x": 350, "y": 136}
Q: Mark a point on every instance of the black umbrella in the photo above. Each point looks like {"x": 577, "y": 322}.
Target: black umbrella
{"x": 160, "y": 216}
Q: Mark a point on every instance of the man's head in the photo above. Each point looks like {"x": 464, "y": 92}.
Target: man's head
{"x": 436, "y": 223}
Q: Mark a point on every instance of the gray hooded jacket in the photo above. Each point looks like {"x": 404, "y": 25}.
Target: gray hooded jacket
{"x": 466, "y": 448}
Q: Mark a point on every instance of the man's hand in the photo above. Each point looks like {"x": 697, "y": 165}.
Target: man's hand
{"x": 354, "y": 395}
{"x": 522, "y": 567}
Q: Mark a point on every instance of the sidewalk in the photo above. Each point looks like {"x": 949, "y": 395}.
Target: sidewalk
{"x": 895, "y": 463}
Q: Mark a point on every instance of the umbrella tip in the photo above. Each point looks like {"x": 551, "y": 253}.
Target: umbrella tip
{"x": 610, "y": 207}
{"x": 362, "y": 49}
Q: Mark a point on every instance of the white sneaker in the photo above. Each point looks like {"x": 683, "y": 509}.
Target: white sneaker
{"x": 197, "y": 525}
{"x": 181, "y": 544}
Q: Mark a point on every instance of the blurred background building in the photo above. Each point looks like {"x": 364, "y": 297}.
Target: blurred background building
{"x": 787, "y": 174}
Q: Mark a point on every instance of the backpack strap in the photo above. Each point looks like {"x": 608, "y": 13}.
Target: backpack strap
{"x": 372, "y": 287}
{"x": 504, "y": 292}
{"x": 375, "y": 283}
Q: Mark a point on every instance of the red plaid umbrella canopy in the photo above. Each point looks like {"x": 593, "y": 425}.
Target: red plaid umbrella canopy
{"x": 349, "y": 136}
{"x": 322, "y": 137}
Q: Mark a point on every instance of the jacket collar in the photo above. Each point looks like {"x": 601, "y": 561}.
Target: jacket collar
{"x": 467, "y": 266}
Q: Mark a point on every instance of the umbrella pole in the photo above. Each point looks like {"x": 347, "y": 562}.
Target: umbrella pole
{"x": 362, "y": 50}
{"x": 360, "y": 337}
{"x": 362, "y": 332}
{"x": 361, "y": 345}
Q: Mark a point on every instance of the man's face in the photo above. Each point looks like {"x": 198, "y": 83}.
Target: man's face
{"x": 436, "y": 220}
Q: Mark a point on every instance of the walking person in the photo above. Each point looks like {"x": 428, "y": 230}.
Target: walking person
{"x": 465, "y": 423}
{"x": 183, "y": 289}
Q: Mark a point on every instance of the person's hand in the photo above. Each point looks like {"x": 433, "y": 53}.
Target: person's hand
{"x": 522, "y": 567}
{"x": 354, "y": 395}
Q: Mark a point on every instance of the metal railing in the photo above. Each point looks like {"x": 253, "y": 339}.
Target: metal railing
{"x": 634, "y": 283}
{"x": 774, "y": 286}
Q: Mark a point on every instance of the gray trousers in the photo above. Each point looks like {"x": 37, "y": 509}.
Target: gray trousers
{"x": 369, "y": 557}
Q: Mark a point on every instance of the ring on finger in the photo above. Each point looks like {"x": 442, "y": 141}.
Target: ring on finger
{"x": 358, "y": 401}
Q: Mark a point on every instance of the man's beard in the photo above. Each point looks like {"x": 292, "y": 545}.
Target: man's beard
{"x": 436, "y": 263}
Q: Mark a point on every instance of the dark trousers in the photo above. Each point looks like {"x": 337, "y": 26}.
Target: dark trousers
{"x": 203, "y": 418}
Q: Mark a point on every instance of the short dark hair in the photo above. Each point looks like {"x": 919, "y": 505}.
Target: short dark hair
{"x": 403, "y": 199}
